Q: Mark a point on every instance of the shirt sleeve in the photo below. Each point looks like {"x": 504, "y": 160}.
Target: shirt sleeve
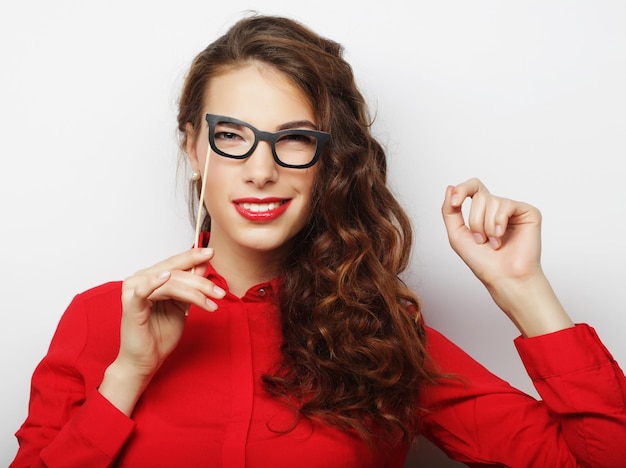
{"x": 479, "y": 419}
{"x": 69, "y": 422}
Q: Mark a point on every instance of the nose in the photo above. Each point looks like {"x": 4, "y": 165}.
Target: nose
{"x": 260, "y": 167}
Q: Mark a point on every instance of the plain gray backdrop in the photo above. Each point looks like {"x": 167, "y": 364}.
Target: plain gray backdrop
{"x": 527, "y": 95}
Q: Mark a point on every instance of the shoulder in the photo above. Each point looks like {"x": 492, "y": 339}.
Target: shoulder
{"x": 95, "y": 309}
{"x": 106, "y": 293}
{"x": 88, "y": 332}
{"x": 449, "y": 357}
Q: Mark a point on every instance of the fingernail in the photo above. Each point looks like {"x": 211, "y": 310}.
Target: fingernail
{"x": 210, "y": 305}
{"x": 454, "y": 201}
{"x": 207, "y": 251}
{"x": 164, "y": 274}
{"x": 479, "y": 238}
{"x": 219, "y": 291}
{"x": 499, "y": 231}
{"x": 494, "y": 242}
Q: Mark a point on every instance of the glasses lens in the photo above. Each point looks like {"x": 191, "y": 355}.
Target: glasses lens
{"x": 233, "y": 139}
{"x": 295, "y": 148}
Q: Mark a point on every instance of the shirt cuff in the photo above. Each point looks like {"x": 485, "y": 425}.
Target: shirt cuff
{"x": 562, "y": 352}
{"x": 103, "y": 425}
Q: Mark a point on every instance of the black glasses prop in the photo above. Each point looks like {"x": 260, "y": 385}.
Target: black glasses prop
{"x": 293, "y": 148}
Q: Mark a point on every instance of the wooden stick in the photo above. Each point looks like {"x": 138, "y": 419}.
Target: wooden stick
{"x": 201, "y": 202}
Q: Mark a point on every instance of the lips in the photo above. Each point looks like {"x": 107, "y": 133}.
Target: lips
{"x": 261, "y": 210}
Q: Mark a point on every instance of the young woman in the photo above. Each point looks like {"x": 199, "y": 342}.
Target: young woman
{"x": 287, "y": 338}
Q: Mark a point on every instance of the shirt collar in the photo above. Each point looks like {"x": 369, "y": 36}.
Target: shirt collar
{"x": 264, "y": 290}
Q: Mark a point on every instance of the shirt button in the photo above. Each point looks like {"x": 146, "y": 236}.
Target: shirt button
{"x": 261, "y": 292}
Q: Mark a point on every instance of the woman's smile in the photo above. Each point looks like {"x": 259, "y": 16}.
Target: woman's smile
{"x": 261, "y": 210}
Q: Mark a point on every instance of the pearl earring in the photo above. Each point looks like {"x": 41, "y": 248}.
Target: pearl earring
{"x": 195, "y": 176}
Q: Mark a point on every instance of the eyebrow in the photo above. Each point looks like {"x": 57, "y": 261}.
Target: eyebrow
{"x": 285, "y": 126}
{"x": 297, "y": 124}
{"x": 231, "y": 124}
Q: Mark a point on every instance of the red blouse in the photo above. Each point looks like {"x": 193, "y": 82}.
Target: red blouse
{"x": 206, "y": 406}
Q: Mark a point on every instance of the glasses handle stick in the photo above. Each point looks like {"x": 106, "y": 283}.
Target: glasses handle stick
{"x": 201, "y": 202}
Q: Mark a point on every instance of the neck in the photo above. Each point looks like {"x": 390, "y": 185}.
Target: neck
{"x": 243, "y": 268}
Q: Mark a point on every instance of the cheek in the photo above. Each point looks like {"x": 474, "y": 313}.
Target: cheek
{"x": 307, "y": 182}
{"x": 201, "y": 155}
{"x": 222, "y": 176}
{"x": 216, "y": 182}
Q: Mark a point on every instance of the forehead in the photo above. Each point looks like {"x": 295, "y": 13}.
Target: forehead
{"x": 258, "y": 94}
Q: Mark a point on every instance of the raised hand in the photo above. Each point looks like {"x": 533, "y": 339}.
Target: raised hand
{"x": 501, "y": 244}
{"x": 501, "y": 238}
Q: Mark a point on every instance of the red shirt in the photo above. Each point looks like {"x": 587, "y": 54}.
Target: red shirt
{"x": 206, "y": 406}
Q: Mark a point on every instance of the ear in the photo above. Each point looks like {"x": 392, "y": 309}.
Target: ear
{"x": 190, "y": 146}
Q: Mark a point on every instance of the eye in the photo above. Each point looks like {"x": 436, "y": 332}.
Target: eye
{"x": 232, "y": 136}
{"x": 297, "y": 139}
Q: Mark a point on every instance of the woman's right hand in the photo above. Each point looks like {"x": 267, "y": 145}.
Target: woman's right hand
{"x": 154, "y": 306}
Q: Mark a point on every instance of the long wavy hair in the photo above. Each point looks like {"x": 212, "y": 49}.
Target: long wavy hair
{"x": 353, "y": 353}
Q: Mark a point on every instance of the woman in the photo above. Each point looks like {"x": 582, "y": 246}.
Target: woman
{"x": 287, "y": 337}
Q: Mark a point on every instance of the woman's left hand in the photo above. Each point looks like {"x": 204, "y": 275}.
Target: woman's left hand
{"x": 501, "y": 244}
{"x": 502, "y": 237}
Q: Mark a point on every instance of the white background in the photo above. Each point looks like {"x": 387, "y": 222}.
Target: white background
{"x": 527, "y": 95}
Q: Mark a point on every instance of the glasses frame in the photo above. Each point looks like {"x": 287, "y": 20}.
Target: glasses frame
{"x": 271, "y": 138}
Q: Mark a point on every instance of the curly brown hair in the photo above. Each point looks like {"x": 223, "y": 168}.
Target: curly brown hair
{"x": 353, "y": 353}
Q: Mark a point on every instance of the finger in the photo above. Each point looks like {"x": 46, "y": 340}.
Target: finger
{"x": 189, "y": 291}
{"x": 470, "y": 188}
{"x": 476, "y": 216}
{"x": 451, "y": 211}
{"x": 135, "y": 291}
{"x": 504, "y": 214}
{"x": 458, "y": 232}
{"x": 183, "y": 261}
{"x": 184, "y": 280}
{"x": 200, "y": 269}
{"x": 496, "y": 220}
{"x": 189, "y": 287}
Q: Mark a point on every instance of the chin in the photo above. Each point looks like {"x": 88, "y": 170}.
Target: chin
{"x": 268, "y": 242}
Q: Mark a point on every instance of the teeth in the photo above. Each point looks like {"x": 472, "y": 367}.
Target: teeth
{"x": 261, "y": 207}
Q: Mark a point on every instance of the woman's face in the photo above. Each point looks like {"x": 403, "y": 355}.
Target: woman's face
{"x": 254, "y": 204}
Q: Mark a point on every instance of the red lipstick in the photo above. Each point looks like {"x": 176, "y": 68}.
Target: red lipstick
{"x": 277, "y": 208}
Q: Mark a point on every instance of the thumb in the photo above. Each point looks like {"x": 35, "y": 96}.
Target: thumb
{"x": 452, "y": 213}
